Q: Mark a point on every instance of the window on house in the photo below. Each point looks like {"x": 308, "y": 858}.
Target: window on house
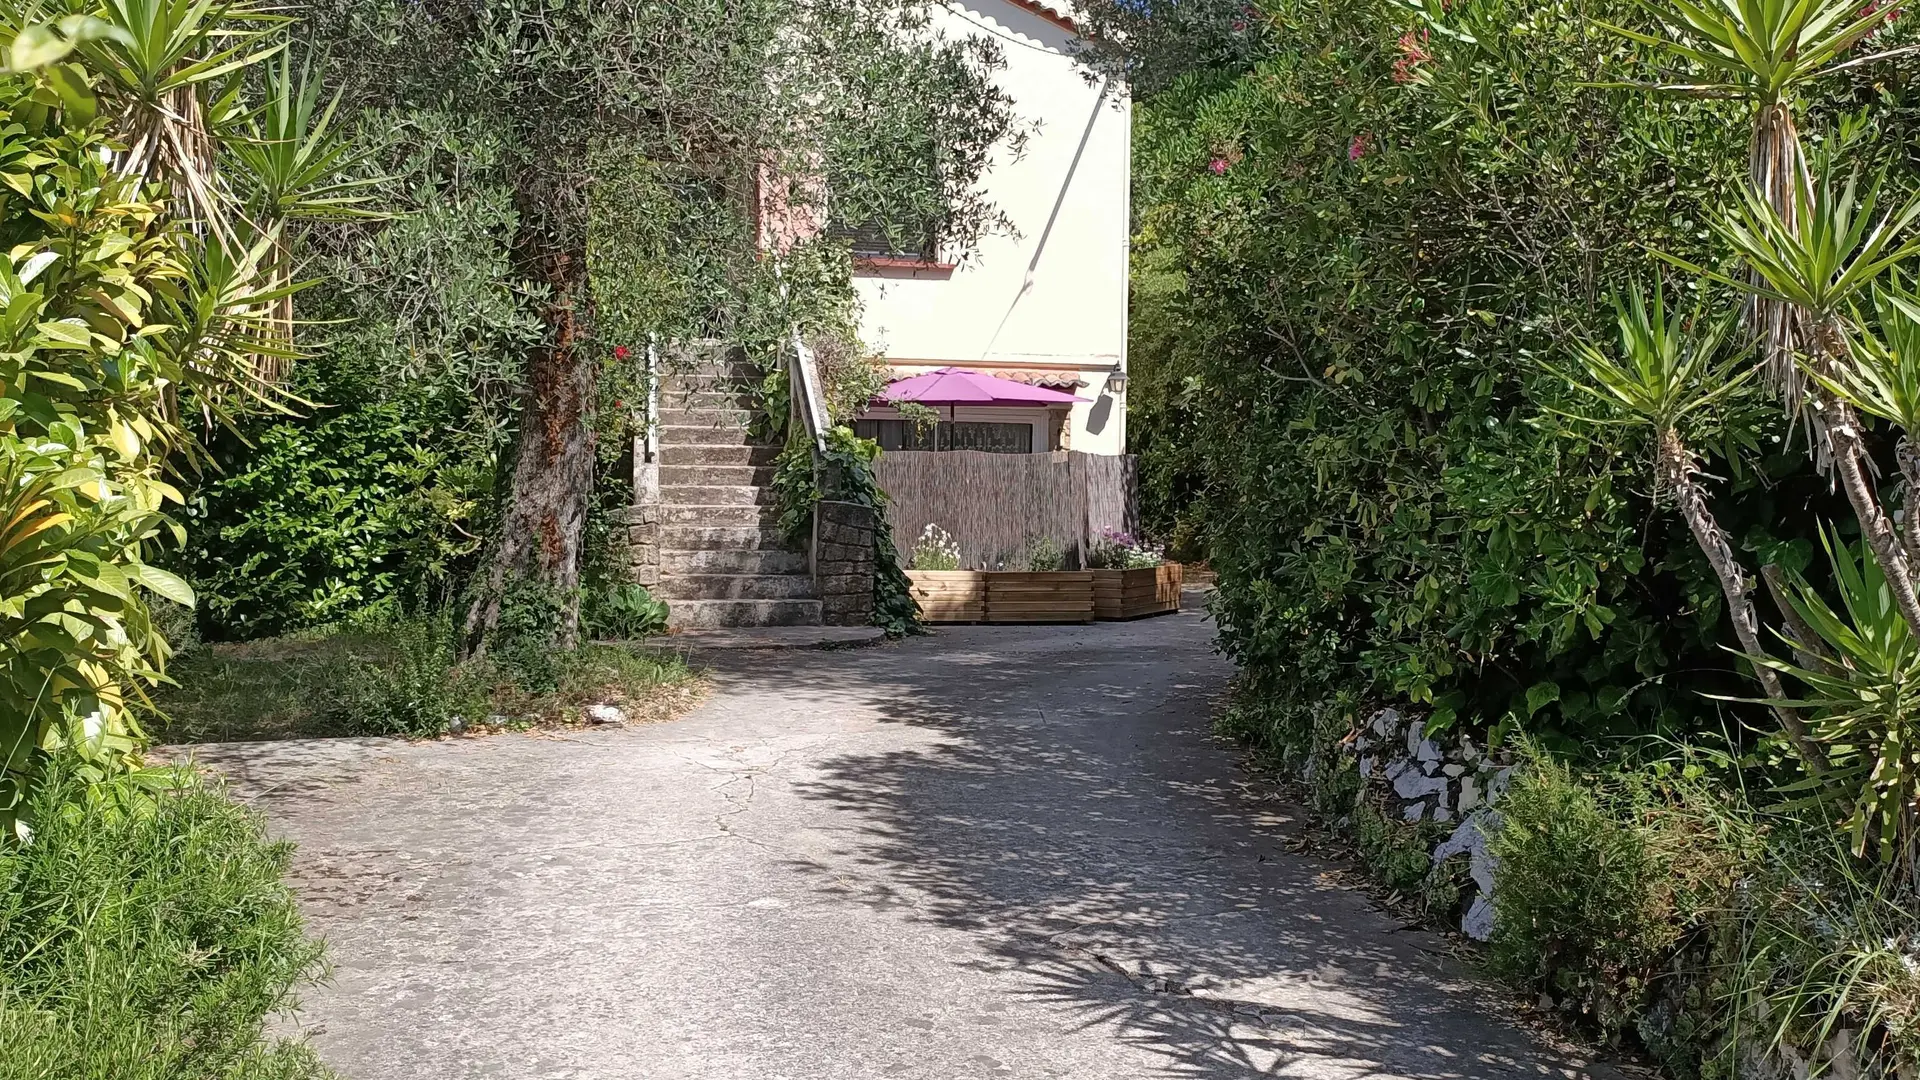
{"x": 892, "y": 204}
{"x": 948, "y": 435}
{"x": 890, "y": 239}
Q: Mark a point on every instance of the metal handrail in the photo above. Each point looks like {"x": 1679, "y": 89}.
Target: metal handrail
{"x": 646, "y": 458}
{"x": 806, "y": 398}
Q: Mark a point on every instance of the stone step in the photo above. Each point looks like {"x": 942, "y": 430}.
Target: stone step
{"x": 734, "y": 587}
{"x": 738, "y": 369}
{"x": 731, "y": 560}
{"x": 672, "y": 415}
{"x": 672, "y": 382}
{"x": 708, "y": 475}
{"x": 706, "y": 614}
{"x": 678, "y": 456}
{"x": 715, "y": 495}
{"x": 702, "y": 537}
{"x": 682, "y": 400}
{"x": 675, "y": 434}
{"x": 724, "y": 516}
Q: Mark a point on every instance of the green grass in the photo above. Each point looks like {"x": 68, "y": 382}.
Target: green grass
{"x": 395, "y": 679}
{"x": 148, "y": 936}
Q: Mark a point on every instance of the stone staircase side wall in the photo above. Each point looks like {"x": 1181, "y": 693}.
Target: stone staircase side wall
{"x": 843, "y": 562}
{"x": 642, "y": 542}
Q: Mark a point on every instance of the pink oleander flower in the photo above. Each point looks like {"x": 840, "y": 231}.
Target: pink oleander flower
{"x": 1413, "y": 53}
{"x": 1218, "y": 165}
{"x": 620, "y": 352}
{"x": 1361, "y": 145}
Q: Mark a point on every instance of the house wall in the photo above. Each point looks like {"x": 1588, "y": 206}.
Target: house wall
{"x": 1055, "y": 295}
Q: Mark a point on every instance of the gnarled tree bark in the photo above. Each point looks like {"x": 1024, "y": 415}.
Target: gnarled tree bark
{"x": 1841, "y": 427}
{"x": 543, "y": 525}
{"x": 1676, "y": 466}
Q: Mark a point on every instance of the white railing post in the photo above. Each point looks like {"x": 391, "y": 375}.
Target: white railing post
{"x": 646, "y": 446}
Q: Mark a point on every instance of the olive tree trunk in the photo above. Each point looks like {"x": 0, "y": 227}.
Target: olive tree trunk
{"x": 1676, "y": 465}
{"x": 543, "y": 523}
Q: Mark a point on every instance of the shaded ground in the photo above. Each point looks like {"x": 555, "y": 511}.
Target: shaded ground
{"x": 994, "y": 852}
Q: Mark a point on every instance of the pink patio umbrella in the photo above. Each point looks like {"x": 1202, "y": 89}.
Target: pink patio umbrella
{"x": 952, "y": 386}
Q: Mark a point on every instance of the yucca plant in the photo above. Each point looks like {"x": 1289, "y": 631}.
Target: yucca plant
{"x": 1881, "y": 378}
{"x": 294, "y": 163}
{"x": 1667, "y": 370}
{"x": 168, "y": 80}
{"x": 1821, "y": 263}
{"x": 1863, "y": 705}
{"x": 1764, "y": 51}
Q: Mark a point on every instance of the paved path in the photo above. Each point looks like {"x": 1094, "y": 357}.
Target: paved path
{"x": 993, "y": 852}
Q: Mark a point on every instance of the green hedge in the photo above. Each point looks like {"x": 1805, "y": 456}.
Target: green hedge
{"x": 1356, "y": 261}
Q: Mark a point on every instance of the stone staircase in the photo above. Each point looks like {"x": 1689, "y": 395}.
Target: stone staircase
{"x": 722, "y": 559}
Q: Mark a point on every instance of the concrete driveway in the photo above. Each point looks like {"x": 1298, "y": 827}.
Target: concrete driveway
{"x": 991, "y": 852}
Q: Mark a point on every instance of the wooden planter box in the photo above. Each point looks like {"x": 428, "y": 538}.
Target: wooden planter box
{"x": 950, "y": 595}
{"x": 1003, "y": 596}
{"x": 1130, "y": 594}
{"x": 1046, "y": 596}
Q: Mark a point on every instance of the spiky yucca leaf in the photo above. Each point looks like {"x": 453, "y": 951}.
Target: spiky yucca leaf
{"x": 1669, "y": 366}
{"x": 1881, "y": 375}
{"x": 1822, "y": 260}
{"x": 1760, "y": 48}
{"x": 1863, "y": 705}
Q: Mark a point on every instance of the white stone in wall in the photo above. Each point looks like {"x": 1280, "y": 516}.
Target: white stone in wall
{"x": 1477, "y": 923}
{"x": 1428, "y": 752}
{"x": 1469, "y": 794}
{"x": 1414, "y": 811}
{"x": 1413, "y": 784}
{"x": 1497, "y": 786}
{"x": 1470, "y": 839}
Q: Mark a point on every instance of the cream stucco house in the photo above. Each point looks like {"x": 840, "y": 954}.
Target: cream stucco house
{"x": 1047, "y": 305}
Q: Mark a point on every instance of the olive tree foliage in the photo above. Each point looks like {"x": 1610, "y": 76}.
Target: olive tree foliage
{"x": 1152, "y": 45}
{"x": 624, "y": 151}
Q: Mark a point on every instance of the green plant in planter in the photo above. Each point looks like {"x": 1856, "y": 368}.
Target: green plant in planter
{"x": 1120, "y": 551}
{"x": 1044, "y": 555}
{"x": 935, "y": 550}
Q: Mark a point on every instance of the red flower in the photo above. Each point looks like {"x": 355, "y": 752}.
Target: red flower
{"x": 1875, "y": 7}
{"x": 620, "y": 352}
{"x": 1218, "y": 165}
{"x": 1413, "y": 53}
{"x": 1359, "y": 147}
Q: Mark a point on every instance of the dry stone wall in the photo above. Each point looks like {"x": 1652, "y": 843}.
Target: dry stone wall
{"x": 641, "y": 526}
{"x": 843, "y": 562}
{"x": 1450, "y": 780}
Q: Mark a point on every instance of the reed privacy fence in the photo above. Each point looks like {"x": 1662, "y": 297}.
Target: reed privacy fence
{"x": 998, "y": 506}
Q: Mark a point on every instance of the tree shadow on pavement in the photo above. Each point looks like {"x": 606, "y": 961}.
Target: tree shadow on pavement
{"x": 1065, "y": 805}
